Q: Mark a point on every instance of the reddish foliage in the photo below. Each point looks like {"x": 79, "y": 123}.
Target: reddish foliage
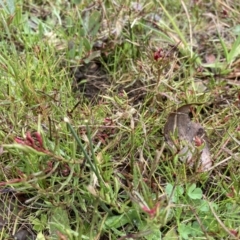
{"x": 65, "y": 170}
{"x": 158, "y": 54}
{"x": 34, "y": 141}
{"x": 234, "y": 232}
{"x": 15, "y": 180}
{"x": 224, "y": 13}
{"x": 198, "y": 141}
{"x": 153, "y": 211}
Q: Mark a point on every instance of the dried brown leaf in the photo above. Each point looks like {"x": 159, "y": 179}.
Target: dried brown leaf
{"x": 181, "y": 132}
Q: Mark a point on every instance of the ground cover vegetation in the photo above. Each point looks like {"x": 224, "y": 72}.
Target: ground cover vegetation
{"x": 86, "y": 91}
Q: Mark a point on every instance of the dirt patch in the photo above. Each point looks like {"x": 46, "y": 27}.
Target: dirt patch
{"x": 90, "y": 80}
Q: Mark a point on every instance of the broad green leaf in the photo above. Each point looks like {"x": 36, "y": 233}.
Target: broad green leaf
{"x": 86, "y": 44}
{"x": 40, "y": 236}
{"x": 116, "y": 221}
{"x": 174, "y": 193}
{"x": 171, "y": 235}
{"x": 185, "y": 230}
{"x": 235, "y": 50}
{"x": 59, "y": 222}
{"x": 204, "y": 207}
{"x": 94, "y": 23}
{"x": 154, "y": 235}
{"x": 193, "y": 192}
{"x": 196, "y": 230}
{"x": 39, "y": 224}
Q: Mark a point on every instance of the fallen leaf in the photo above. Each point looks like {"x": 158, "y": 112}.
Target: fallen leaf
{"x": 181, "y": 133}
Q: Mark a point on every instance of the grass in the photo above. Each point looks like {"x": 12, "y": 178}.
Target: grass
{"x": 80, "y": 167}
